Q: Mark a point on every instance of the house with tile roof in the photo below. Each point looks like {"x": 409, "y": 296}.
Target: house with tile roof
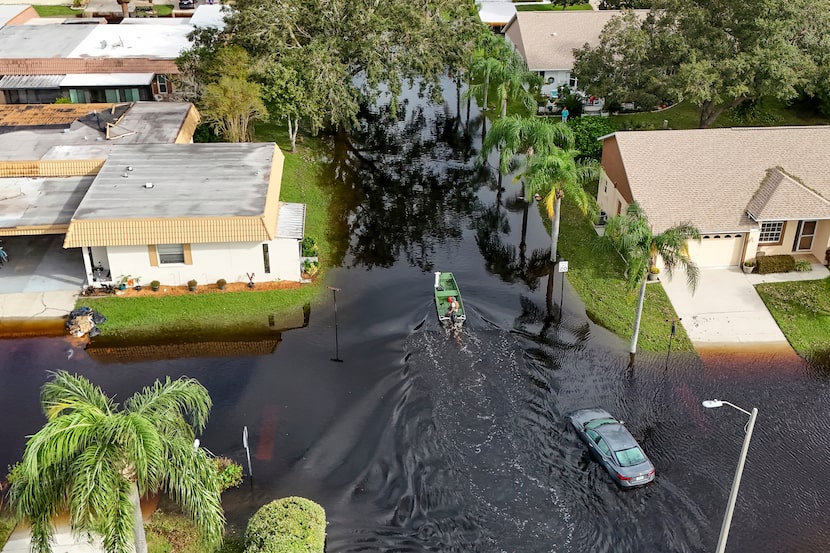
{"x": 750, "y": 191}
{"x": 546, "y": 40}
{"x": 126, "y": 188}
{"x": 89, "y": 63}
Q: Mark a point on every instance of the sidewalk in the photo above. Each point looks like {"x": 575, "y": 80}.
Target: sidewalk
{"x": 726, "y": 309}
{"x": 63, "y": 542}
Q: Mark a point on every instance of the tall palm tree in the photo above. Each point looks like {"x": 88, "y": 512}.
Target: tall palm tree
{"x": 632, "y": 236}
{"x": 96, "y": 460}
{"x": 494, "y": 61}
{"x": 516, "y": 82}
{"x": 557, "y": 173}
{"x": 515, "y": 137}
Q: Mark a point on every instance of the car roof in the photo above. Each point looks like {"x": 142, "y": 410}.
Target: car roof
{"x": 616, "y": 435}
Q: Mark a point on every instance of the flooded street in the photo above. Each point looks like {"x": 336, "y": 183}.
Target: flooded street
{"x": 423, "y": 441}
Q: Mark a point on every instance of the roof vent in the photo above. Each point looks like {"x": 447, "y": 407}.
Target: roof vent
{"x": 148, "y": 185}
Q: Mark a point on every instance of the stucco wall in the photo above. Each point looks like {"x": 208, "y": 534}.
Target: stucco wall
{"x": 608, "y": 196}
{"x": 210, "y": 263}
{"x": 560, "y": 77}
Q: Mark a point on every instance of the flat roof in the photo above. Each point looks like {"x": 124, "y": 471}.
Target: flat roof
{"x": 42, "y": 41}
{"x": 210, "y": 15}
{"x": 131, "y": 41}
{"x": 188, "y": 181}
{"x": 141, "y": 122}
{"x": 496, "y": 13}
{"x": 29, "y": 201}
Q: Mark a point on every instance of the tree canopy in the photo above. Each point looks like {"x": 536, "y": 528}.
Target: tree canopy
{"x": 95, "y": 460}
{"x": 320, "y": 60}
{"x": 714, "y": 54}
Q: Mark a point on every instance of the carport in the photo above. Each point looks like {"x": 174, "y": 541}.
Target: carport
{"x": 34, "y": 215}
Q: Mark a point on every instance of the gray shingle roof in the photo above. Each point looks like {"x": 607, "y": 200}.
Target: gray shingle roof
{"x": 712, "y": 177}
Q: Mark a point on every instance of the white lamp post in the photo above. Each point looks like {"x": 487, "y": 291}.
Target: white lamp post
{"x": 736, "y": 482}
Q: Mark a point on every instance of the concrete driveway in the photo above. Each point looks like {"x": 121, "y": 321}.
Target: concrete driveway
{"x": 726, "y": 309}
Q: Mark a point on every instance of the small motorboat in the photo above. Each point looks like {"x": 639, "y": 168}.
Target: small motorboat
{"x": 447, "y": 293}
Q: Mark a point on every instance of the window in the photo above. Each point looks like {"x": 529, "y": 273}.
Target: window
{"x": 161, "y": 84}
{"x": 572, "y": 82}
{"x": 170, "y": 253}
{"x": 266, "y": 259}
{"x": 551, "y": 80}
{"x": 771, "y": 232}
{"x": 630, "y": 457}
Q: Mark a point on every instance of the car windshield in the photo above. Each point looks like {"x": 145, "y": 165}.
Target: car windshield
{"x": 599, "y": 422}
{"x": 630, "y": 457}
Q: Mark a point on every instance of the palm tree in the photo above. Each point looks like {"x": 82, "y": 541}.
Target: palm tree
{"x": 96, "y": 460}
{"x": 632, "y": 236}
{"x": 557, "y": 173}
{"x": 517, "y": 83}
{"x": 495, "y": 61}
{"x": 517, "y": 136}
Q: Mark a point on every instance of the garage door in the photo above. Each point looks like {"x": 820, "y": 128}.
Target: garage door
{"x": 717, "y": 250}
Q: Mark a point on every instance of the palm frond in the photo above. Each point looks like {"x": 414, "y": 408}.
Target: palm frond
{"x": 67, "y": 392}
{"x": 184, "y": 397}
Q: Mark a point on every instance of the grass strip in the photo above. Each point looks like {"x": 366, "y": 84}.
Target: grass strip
{"x": 802, "y": 311}
{"x": 596, "y": 273}
{"x": 56, "y": 11}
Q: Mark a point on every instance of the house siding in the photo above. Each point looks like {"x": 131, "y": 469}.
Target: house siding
{"x": 210, "y": 262}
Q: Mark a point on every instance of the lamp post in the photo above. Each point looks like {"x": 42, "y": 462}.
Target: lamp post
{"x": 736, "y": 482}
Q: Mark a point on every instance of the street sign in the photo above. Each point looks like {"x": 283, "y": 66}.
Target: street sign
{"x": 563, "y": 266}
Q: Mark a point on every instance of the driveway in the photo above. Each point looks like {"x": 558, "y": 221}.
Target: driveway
{"x": 726, "y": 310}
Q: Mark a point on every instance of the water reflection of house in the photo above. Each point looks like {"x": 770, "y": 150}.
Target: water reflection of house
{"x": 253, "y": 340}
{"x": 128, "y": 190}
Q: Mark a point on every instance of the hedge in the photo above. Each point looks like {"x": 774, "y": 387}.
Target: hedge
{"x": 288, "y": 525}
{"x": 775, "y": 264}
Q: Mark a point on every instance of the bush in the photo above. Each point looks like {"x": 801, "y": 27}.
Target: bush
{"x": 192, "y": 283}
{"x": 803, "y": 266}
{"x": 310, "y": 248}
{"x": 775, "y": 264}
{"x": 310, "y": 267}
{"x": 230, "y": 473}
{"x": 288, "y": 525}
{"x": 586, "y": 131}
{"x": 221, "y": 283}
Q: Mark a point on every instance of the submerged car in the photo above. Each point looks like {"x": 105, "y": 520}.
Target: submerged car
{"x": 613, "y": 446}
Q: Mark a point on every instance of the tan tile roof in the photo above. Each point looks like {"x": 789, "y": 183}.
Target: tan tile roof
{"x": 547, "y": 39}
{"x": 71, "y": 66}
{"x": 36, "y": 115}
{"x": 710, "y": 176}
{"x": 781, "y": 197}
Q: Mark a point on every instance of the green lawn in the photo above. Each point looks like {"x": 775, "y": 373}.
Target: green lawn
{"x": 768, "y": 112}
{"x": 230, "y": 313}
{"x": 596, "y": 272}
{"x": 56, "y": 11}
{"x": 163, "y": 10}
{"x": 802, "y": 311}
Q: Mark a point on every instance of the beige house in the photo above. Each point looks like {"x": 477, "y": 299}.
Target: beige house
{"x": 750, "y": 191}
{"x": 546, "y": 40}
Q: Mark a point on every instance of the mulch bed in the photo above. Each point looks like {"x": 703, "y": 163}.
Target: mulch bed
{"x": 208, "y": 289}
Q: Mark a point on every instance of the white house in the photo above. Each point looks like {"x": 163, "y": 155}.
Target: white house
{"x": 546, "y": 40}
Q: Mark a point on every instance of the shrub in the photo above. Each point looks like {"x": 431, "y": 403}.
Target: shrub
{"x": 310, "y": 267}
{"x": 775, "y": 264}
{"x": 192, "y": 283}
{"x": 586, "y": 131}
{"x": 63, "y": 100}
{"x": 155, "y": 284}
{"x": 309, "y": 246}
{"x": 288, "y": 525}
{"x": 230, "y": 473}
{"x": 802, "y": 266}
{"x": 221, "y": 283}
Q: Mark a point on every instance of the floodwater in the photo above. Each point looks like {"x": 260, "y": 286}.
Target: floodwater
{"x": 417, "y": 440}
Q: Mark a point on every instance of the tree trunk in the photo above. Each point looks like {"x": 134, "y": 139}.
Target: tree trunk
{"x": 467, "y": 122}
{"x": 138, "y": 521}
{"x": 292, "y": 133}
{"x": 125, "y": 8}
{"x": 504, "y": 106}
{"x": 637, "y": 317}
{"x": 554, "y": 227}
{"x": 486, "y": 93}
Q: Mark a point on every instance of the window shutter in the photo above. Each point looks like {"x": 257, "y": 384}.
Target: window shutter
{"x": 188, "y": 257}
{"x": 154, "y": 258}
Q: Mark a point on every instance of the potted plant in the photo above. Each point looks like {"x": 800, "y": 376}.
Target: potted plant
{"x": 653, "y": 272}
{"x": 191, "y": 284}
{"x": 749, "y": 266}
{"x": 154, "y": 285}
{"x": 310, "y": 267}
{"x": 137, "y": 281}
{"x": 122, "y": 282}
{"x": 221, "y": 283}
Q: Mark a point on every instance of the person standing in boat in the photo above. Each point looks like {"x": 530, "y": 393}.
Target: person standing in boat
{"x": 453, "y": 308}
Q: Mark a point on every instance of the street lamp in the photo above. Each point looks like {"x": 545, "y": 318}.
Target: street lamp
{"x": 736, "y": 482}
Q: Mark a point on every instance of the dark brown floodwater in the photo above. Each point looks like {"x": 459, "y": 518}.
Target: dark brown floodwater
{"x": 420, "y": 441}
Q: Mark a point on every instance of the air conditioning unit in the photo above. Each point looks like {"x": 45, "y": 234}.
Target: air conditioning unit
{"x": 158, "y": 97}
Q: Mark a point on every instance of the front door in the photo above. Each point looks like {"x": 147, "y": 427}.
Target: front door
{"x": 804, "y": 236}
